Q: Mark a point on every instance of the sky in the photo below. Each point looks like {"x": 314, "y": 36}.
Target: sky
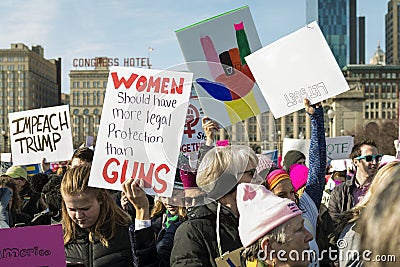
{"x": 127, "y": 28}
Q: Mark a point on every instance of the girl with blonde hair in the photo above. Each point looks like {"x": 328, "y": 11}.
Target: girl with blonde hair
{"x": 95, "y": 228}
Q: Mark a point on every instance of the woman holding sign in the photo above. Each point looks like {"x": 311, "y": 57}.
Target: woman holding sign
{"x": 95, "y": 228}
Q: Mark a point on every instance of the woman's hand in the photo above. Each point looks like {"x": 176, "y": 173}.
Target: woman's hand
{"x": 209, "y": 127}
{"x": 310, "y": 109}
{"x": 134, "y": 193}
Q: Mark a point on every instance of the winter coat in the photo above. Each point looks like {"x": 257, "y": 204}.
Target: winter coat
{"x": 151, "y": 246}
{"x": 117, "y": 254}
{"x": 195, "y": 242}
{"x": 341, "y": 199}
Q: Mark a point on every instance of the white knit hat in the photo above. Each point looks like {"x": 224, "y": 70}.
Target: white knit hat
{"x": 261, "y": 211}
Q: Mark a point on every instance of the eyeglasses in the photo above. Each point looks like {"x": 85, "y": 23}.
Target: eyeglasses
{"x": 369, "y": 158}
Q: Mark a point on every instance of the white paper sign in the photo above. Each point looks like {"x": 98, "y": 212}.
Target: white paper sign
{"x": 141, "y": 129}
{"x": 297, "y": 66}
{"x": 41, "y": 133}
{"x": 336, "y": 147}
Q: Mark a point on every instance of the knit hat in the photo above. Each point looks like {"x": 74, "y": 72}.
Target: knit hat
{"x": 275, "y": 177}
{"x": 188, "y": 179}
{"x": 16, "y": 172}
{"x": 291, "y": 157}
{"x": 298, "y": 174}
{"x": 261, "y": 211}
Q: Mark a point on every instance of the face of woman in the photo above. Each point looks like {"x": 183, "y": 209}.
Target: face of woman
{"x": 284, "y": 189}
{"x": 82, "y": 208}
{"x": 173, "y": 203}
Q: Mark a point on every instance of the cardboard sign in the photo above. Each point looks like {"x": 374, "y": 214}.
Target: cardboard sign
{"x": 336, "y": 147}
{"x": 193, "y": 134}
{"x": 141, "y": 129}
{"x": 297, "y": 66}
{"x": 41, "y": 133}
{"x": 214, "y": 50}
{"x": 26, "y": 246}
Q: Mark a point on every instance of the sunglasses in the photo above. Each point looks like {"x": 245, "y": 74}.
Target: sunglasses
{"x": 370, "y": 158}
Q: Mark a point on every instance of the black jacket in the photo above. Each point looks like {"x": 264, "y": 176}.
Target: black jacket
{"x": 341, "y": 199}
{"x": 152, "y": 246}
{"x": 31, "y": 203}
{"x": 117, "y": 254}
{"x": 195, "y": 242}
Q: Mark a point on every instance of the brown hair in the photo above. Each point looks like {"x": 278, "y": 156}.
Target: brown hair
{"x": 356, "y": 150}
{"x": 16, "y": 200}
{"x": 75, "y": 181}
{"x": 159, "y": 208}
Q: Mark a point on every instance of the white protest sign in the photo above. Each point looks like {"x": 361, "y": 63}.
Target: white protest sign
{"x": 193, "y": 134}
{"x": 336, "y": 147}
{"x": 297, "y": 66}
{"x": 41, "y": 133}
{"x": 141, "y": 129}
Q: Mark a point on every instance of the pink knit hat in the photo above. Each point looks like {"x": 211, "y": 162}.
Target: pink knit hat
{"x": 188, "y": 179}
{"x": 298, "y": 174}
{"x": 261, "y": 211}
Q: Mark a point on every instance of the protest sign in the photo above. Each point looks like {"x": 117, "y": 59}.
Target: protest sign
{"x": 336, "y": 147}
{"x": 297, "y": 66}
{"x": 193, "y": 134}
{"x": 141, "y": 129}
{"x": 26, "y": 246}
{"x": 214, "y": 50}
{"x": 41, "y": 133}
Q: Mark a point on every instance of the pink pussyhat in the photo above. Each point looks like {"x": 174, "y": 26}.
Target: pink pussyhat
{"x": 260, "y": 211}
{"x": 188, "y": 179}
{"x": 298, "y": 174}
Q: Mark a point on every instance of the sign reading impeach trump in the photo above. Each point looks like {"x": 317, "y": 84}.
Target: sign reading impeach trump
{"x": 41, "y": 133}
{"x": 141, "y": 129}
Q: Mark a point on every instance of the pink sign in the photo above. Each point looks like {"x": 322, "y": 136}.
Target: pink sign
{"x": 222, "y": 143}
{"x": 32, "y": 246}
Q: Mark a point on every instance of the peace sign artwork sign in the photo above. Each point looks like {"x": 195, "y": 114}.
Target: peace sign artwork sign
{"x": 214, "y": 50}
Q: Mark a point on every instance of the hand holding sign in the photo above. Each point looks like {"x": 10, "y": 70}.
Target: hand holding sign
{"x": 132, "y": 188}
{"x": 310, "y": 109}
{"x": 209, "y": 127}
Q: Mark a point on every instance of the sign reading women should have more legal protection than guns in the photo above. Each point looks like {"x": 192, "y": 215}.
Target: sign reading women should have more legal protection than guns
{"x": 297, "y": 66}
{"x": 41, "y": 133}
{"x": 141, "y": 129}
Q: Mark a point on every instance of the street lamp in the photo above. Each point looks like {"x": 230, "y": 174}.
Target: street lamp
{"x": 331, "y": 114}
{"x": 150, "y": 50}
{"x": 341, "y": 132}
{"x": 279, "y": 142}
{"x": 5, "y": 138}
{"x": 301, "y": 135}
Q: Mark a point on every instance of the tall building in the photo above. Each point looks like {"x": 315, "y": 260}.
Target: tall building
{"x": 338, "y": 22}
{"x": 27, "y": 81}
{"x": 392, "y": 32}
{"x": 87, "y": 91}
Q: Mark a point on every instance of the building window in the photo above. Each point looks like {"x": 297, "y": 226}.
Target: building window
{"x": 10, "y": 67}
{"x": 21, "y": 103}
{"x": 367, "y": 115}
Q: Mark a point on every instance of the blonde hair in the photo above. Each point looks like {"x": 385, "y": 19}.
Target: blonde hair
{"x": 219, "y": 160}
{"x": 75, "y": 181}
{"x": 380, "y": 220}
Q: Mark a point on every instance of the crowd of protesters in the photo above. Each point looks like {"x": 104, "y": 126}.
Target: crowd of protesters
{"x": 235, "y": 208}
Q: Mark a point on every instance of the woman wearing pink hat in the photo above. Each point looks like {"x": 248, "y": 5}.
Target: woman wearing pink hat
{"x": 271, "y": 229}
